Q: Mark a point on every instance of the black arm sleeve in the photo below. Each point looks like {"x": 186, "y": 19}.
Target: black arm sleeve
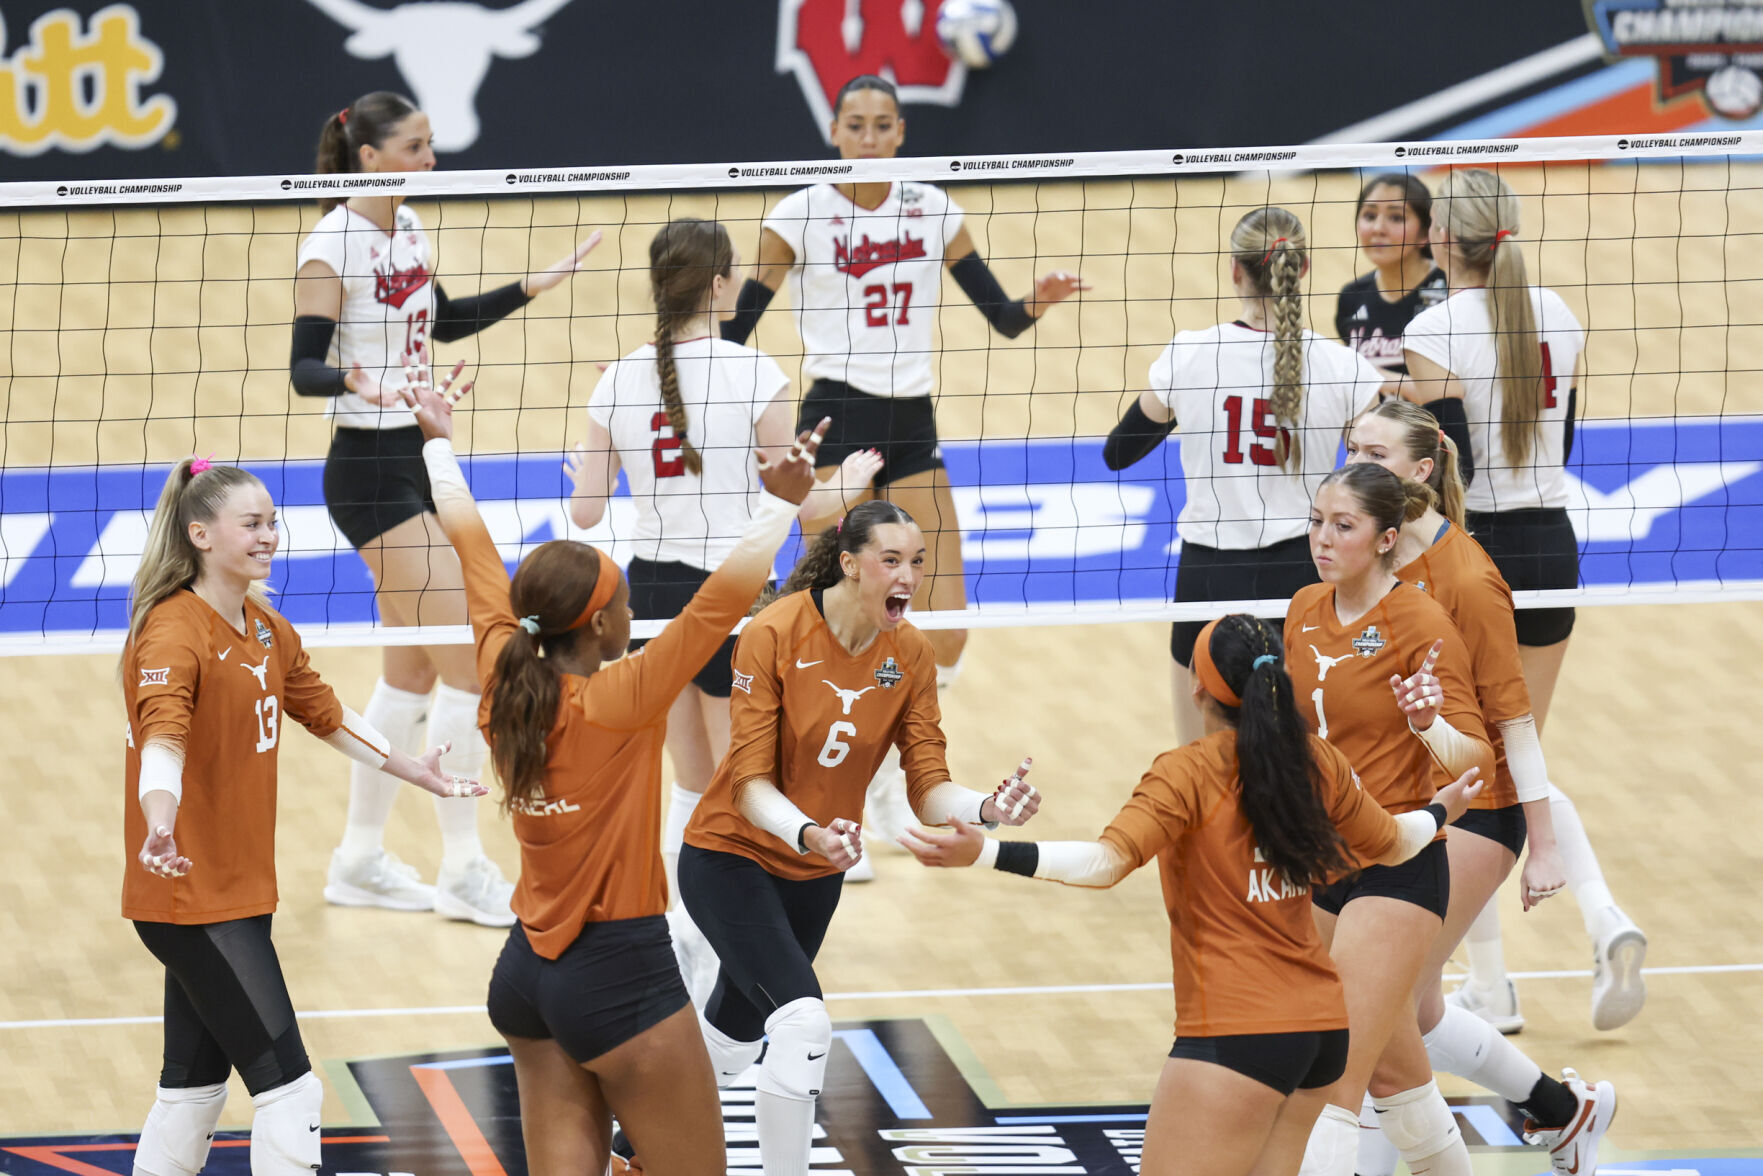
{"x": 1135, "y": 438}
{"x": 1448, "y": 411}
{"x": 1008, "y": 316}
{"x": 306, "y": 361}
{"x": 1572, "y": 411}
{"x": 755, "y": 296}
{"x": 457, "y": 318}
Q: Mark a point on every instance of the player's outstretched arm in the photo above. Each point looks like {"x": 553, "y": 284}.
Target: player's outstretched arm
{"x": 1098, "y": 864}
{"x": 1144, "y": 426}
{"x": 433, "y": 407}
{"x": 1009, "y": 317}
{"x": 355, "y": 738}
{"x": 1014, "y": 802}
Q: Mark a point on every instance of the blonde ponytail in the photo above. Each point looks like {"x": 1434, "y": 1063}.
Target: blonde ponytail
{"x": 169, "y": 561}
{"x": 1480, "y": 212}
{"x": 1422, "y": 438}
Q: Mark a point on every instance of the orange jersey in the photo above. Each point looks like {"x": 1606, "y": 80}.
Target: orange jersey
{"x": 1341, "y": 675}
{"x": 1457, "y": 573}
{"x": 191, "y": 680}
{"x": 817, "y": 722}
{"x": 590, "y": 845}
{"x": 1247, "y": 956}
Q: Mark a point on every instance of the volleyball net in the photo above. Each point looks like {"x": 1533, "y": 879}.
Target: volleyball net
{"x": 145, "y": 321}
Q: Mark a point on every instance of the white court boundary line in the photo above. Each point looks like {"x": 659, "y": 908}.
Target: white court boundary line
{"x": 896, "y": 994}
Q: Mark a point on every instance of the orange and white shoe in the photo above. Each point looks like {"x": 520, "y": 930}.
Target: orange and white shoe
{"x": 1573, "y": 1149}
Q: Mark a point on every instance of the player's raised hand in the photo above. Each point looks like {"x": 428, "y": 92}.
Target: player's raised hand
{"x": 792, "y": 477}
{"x": 1420, "y": 695}
{"x": 840, "y": 843}
{"x": 434, "y": 406}
{"x": 371, "y": 390}
{"x": 159, "y": 854}
{"x": 958, "y": 845}
{"x": 552, "y": 275}
{"x": 856, "y": 473}
{"x": 1016, "y": 800}
{"x": 1052, "y": 289}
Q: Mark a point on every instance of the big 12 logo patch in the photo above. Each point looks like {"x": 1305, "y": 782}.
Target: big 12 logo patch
{"x": 826, "y": 43}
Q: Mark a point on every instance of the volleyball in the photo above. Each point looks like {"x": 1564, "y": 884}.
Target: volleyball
{"x": 976, "y": 32}
{"x": 1735, "y": 92}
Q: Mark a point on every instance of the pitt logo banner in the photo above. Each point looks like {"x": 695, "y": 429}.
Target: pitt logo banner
{"x": 72, "y": 89}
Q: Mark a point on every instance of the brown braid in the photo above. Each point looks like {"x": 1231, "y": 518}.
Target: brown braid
{"x": 685, "y": 256}
{"x": 1269, "y": 244}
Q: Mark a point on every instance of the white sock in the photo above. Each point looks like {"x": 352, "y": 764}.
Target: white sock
{"x": 1579, "y": 861}
{"x": 1334, "y": 1144}
{"x": 401, "y": 717}
{"x": 1377, "y": 1155}
{"x": 786, "y": 1133}
{"x": 1486, "y": 951}
{"x": 1467, "y": 1046}
{"x": 682, "y": 803}
{"x": 454, "y": 720}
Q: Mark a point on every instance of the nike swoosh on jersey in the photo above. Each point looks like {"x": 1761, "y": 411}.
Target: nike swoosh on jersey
{"x": 802, "y": 665}
{"x": 1308, "y": 628}
{"x": 224, "y": 652}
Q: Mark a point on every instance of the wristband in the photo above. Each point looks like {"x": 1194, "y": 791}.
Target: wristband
{"x": 1018, "y": 857}
{"x": 1439, "y": 815}
{"x": 802, "y": 836}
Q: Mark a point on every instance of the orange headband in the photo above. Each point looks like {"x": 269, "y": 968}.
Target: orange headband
{"x": 604, "y": 586}
{"x": 1210, "y": 679}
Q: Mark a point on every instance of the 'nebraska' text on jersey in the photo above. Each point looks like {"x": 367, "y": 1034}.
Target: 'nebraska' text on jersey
{"x": 1372, "y": 325}
{"x": 817, "y": 722}
{"x": 388, "y": 304}
{"x": 867, "y": 283}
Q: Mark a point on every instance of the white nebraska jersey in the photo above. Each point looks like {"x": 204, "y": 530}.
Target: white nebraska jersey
{"x": 690, "y": 518}
{"x": 388, "y": 302}
{"x": 1458, "y": 335}
{"x": 866, "y": 283}
{"x": 1218, "y": 382}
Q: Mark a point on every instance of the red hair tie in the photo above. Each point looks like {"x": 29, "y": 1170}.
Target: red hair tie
{"x": 1500, "y": 236}
{"x": 343, "y": 116}
{"x": 1268, "y": 256}
{"x": 1441, "y": 438}
{"x": 201, "y": 465}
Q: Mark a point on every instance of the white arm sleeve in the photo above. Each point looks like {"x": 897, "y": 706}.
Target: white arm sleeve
{"x": 949, "y": 804}
{"x": 1455, "y": 751}
{"x": 360, "y": 742}
{"x": 761, "y": 803}
{"x": 1414, "y": 832}
{"x": 446, "y": 480}
{"x": 1075, "y": 863}
{"x": 1524, "y": 758}
{"x": 162, "y": 770}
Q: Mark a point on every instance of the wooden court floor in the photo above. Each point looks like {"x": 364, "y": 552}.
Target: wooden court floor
{"x": 150, "y": 334}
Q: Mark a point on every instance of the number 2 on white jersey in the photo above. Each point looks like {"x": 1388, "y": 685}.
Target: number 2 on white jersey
{"x": 268, "y": 723}
{"x": 834, "y": 750}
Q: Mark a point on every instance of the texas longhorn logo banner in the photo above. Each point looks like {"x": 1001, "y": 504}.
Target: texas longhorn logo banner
{"x": 1712, "y": 46}
{"x": 826, "y": 43}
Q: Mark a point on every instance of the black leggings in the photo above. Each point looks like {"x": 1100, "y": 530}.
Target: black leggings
{"x": 226, "y": 1005}
{"x": 766, "y": 931}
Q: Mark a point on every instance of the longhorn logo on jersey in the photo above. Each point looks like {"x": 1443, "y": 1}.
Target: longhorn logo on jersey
{"x": 867, "y": 255}
{"x": 826, "y": 43}
{"x": 848, "y": 697}
{"x": 394, "y": 286}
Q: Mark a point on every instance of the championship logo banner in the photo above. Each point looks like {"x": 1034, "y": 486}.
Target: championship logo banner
{"x": 1715, "y": 48}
